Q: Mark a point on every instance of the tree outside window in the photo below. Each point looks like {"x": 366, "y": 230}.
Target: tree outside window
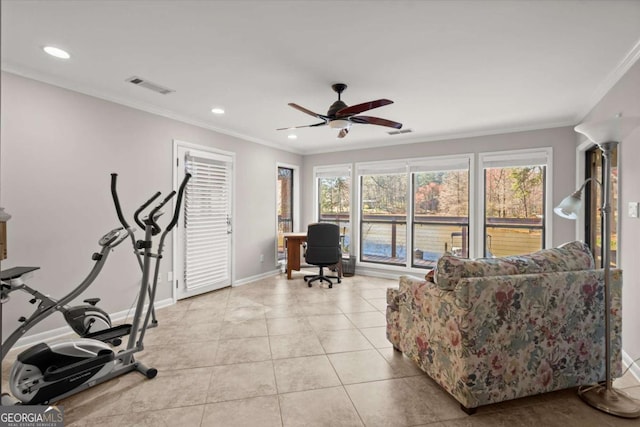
{"x": 334, "y": 206}
{"x": 514, "y": 210}
{"x": 384, "y": 218}
{"x": 441, "y": 216}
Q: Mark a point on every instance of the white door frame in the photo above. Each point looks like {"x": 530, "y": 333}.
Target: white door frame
{"x": 174, "y": 234}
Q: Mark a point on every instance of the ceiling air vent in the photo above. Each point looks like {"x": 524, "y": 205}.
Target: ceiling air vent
{"x": 149, "y": 85}
{"x": 398, "y": 132}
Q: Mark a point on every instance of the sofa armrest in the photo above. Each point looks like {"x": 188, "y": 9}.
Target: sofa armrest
{"x": 424, "y": 297}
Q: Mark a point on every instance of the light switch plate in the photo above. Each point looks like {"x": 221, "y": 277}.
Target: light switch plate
{"x": 633, "y": 209}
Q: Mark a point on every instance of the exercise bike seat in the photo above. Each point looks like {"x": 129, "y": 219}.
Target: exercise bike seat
{"x": 16, "y": 272}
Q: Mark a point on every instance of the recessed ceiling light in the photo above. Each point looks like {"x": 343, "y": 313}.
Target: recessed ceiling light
{"x": 57, "y": 52}
{"x": 217, "y": 110}
{"x": 292, "y": 136}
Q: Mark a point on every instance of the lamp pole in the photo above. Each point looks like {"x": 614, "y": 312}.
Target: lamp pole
{"x": 606, "y": 135}
{"x": 606, "y": 148}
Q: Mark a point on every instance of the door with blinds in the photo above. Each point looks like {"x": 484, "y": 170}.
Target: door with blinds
{"x": 203, "y": 255}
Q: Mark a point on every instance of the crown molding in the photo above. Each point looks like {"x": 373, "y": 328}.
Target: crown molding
{"x": 40, "y": 77}
{"x": 445, "y": 137}
{"x": 610, "y": 81}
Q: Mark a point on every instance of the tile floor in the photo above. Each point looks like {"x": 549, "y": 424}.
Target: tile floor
{"x": 277, "y": 353}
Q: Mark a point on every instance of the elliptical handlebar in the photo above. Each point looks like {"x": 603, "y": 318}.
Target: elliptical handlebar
{"x": 154, "y": 213}
{"x": 176, "y": 213}
{"x": 116, "y": 201}
{"x": 136, "y": 215}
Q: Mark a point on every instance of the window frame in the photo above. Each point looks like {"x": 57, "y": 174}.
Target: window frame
{"x": 408, "y": 167}
{"x": 295, "y": 191}
{"x": 584, "y": 227}
{"x": 514, "y": 158}
{"x": 337, "y": 170}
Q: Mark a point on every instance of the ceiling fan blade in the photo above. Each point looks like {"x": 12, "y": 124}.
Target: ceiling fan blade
{"x": 309, "y": 112}
{"x": 368, "y": 120}
{"x": 356, "y": 109}
{"x": 343, "y": 132}
{"x": 304, "y": 126}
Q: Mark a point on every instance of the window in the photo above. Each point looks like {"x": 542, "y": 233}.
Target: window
{"x": 333, "y": 185}
{"x": 383, "y": 221}
{"x": 593, "y": 204}
{"x": 413, "y": 211}
{"x": 284, "y": 207}
{"x": 440, "y": 210}
{"x": 515, "y": 192}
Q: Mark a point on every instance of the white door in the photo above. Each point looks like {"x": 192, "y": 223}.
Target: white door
{"x": 203, "y": 253}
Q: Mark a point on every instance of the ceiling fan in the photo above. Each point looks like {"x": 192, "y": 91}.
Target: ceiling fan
{"x": 340, "y": 116}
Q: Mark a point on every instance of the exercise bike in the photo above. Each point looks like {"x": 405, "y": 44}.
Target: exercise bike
{"x": 45, "y": 374}
{"x": 88, "y": 320}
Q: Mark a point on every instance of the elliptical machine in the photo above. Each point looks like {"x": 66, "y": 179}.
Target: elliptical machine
{"x": 86, "y": 320}
{"x": 45, "y": 374}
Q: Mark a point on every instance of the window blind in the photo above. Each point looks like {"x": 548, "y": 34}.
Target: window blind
{"x": 382, "y": 168}
{"x": 435, "y": 164}
{"x": 332, "y": 171}
{"x": 206, "y": 221}
{"x": 516, "y": 158}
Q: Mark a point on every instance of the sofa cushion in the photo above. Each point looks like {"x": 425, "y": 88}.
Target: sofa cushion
{"x": 571, "y": 256}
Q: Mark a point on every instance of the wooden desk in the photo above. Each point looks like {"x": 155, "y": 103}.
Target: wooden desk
{"x": 293, "y": 241}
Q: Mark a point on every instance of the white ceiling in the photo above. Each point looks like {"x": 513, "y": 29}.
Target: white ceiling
{"x": 453, "y": 68}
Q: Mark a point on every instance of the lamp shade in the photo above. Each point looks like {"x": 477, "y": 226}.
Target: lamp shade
{"x": 569, "y": 207}
{"x": 610, "y": 130}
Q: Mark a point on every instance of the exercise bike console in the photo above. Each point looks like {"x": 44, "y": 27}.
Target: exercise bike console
{"x": 114, "y": 237}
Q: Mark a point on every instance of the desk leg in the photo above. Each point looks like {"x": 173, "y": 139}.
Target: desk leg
{"x": 289, "y": 250}
{"x": 293, "y": 256}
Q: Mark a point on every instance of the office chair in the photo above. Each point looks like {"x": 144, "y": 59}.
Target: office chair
{"x": 323, "y": 250}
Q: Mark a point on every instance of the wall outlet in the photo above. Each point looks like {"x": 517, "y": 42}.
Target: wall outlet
{"x": 633, "y": 209}
{"x": 261, "y": 257}
{"x": 170, "y": 276}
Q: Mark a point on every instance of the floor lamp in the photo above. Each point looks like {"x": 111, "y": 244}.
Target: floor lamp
{"x": 606, "y": 134}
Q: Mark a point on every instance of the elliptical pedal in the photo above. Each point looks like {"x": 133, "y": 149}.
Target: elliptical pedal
{"x": 111, "y": 335}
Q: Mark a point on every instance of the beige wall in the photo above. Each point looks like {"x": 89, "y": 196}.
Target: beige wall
{"x": 562, "y": 140}
{"x": 624, "y": 98}
{"x": 57, "y": 150}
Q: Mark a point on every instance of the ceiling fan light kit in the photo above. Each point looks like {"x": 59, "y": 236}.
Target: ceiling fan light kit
{"x": 339, "y": 124}
{"x": 341, "y": 116}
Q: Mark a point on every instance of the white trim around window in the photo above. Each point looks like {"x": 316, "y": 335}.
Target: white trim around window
{"x": 296, "y": 193}
{"x": 463, "y": 161}
{"x": 514, "y": 158}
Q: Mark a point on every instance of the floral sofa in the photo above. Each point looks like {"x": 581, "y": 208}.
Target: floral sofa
{"x": 491, "y": 330}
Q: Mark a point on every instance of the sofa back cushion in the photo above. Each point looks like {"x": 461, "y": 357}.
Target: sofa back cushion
{"x": 571, "y": 256}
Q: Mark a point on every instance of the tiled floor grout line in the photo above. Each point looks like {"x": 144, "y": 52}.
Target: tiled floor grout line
{"x": 235, "y": 306}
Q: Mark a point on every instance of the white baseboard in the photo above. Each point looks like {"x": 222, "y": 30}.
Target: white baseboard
{"x": 628, "y": 361}
{"x": 382, "y": 273}
{"x": 67, "y": 332}
{"x": 257, "y": 277}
